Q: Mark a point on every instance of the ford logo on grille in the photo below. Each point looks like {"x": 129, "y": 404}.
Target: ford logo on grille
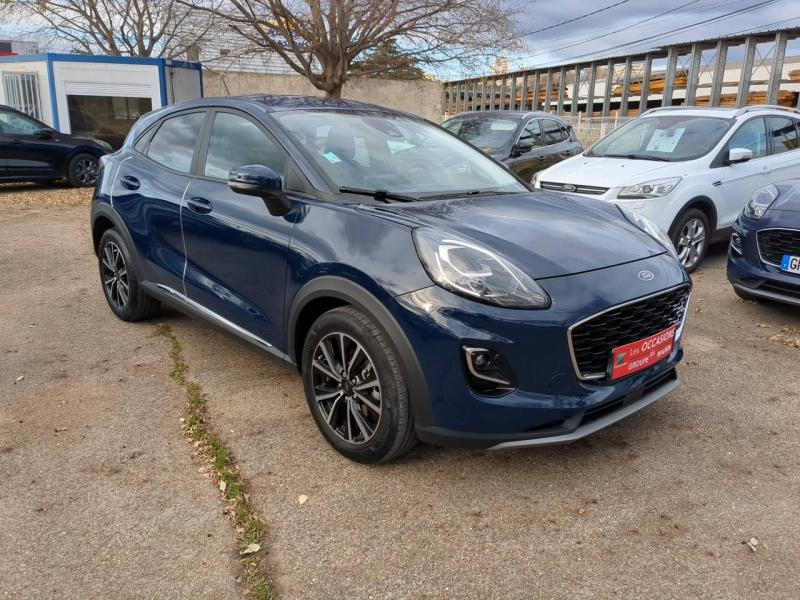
{"x": 568, "y": 187}
{"x": 646, "y": 275}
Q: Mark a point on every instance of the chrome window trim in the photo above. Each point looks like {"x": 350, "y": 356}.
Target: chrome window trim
{"x": 597, "y": 376}
{"x": 758, "y": 242}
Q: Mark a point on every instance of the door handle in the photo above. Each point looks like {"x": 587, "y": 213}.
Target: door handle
{"x": 129, "y": 182}
{"x": 199, "y": 205}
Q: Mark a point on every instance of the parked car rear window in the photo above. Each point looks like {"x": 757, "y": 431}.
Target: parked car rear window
{"x": 236, "y": 141}
{"x": 784, "y": 134}
{"x": 376, "y": 150}
{"x": 484, "y": 132}
{"x": 663, "y": 137}
{"x": 174, "y": 143}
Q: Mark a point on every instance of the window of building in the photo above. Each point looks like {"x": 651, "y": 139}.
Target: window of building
{"x": 107, "y": 118}
{"x": 174, "y": 143}
{"x": 22, "y": 92}
{"x": 224, "y": 52}
{"x": 236, "y": 141}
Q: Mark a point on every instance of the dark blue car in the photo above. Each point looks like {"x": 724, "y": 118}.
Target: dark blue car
{"x": 420, "y": 288}
{"x": 764, "y": 254}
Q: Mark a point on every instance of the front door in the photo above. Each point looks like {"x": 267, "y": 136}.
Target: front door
{"x": 236, "y": 251}
{"x": 525, "y": 164}
{"x": 25, "y": 148}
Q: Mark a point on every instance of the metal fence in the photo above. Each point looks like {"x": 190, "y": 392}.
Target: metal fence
{"x": 590, "y": 129}
{"x": 693, "y": 73}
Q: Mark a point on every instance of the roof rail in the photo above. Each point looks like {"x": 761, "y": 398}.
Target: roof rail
{"x": 748, "y": 109}
{"x": 683, "y": 107}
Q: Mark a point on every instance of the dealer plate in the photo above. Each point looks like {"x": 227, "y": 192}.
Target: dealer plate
{"x": 632, "y": 358}
{"x": 791, "y": 264}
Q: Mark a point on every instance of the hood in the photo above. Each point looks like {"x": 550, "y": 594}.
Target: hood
{"x": 789, "y": 197}
{"x": 607, "y": 172}
{"x": 545, "y": 234}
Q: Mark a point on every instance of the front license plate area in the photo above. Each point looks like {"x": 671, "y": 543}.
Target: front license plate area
{"x": 636, "y": 356}
{"x": 791, "y": 264}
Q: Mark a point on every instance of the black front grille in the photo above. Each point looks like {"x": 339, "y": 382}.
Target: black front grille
{"x": 773, "y": 244}
{"x": 573, "y": 189}
{"x": 593, "y": 340}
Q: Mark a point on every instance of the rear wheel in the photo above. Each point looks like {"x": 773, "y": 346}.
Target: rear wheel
{"x": 120, "y": 280}
{"x": 82, "y": 170}
{"x": 691, "y": 233}
{"x": 355, "y": 387}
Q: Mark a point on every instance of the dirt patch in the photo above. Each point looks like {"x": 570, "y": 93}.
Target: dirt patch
{"x": 32, "y": 194}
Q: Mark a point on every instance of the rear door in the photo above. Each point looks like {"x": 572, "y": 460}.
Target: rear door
{"x": 736, "y": 183}
{"x": 236, "y": 250}
{"x": 23, "y": 152}
{"x": 148, "y": 190}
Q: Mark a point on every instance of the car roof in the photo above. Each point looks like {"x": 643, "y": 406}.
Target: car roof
{"x": 279, "y": 103}
{"x": 512, "y": 114}
{"x": 720, "y": 112}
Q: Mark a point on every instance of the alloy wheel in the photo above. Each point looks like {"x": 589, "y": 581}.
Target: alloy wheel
{"x": 86, "y": 171}
{"x": 346, "y": 388}
{"x": 691, "y": 242}
{"x": 115, "y": 276}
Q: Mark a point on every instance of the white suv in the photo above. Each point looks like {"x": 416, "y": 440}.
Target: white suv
{"x": 690, "y": 170}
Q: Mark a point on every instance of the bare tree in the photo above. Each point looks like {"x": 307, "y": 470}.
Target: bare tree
{"x": 321, "y": 39}
{"x": 117, "y": 27}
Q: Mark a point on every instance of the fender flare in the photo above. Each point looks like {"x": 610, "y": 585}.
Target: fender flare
{"x": 330, "y": 286}
{"x": 102, "y": 209}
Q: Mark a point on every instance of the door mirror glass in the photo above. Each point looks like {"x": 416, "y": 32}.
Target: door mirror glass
{"x": 739, "y": 155}
{"x": 261, "y": 181}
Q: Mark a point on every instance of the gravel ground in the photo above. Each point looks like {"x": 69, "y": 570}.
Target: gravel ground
{"x": 661, "y": 505}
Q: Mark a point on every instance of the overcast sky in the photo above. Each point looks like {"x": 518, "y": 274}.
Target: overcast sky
{"x": 607, "y": 33}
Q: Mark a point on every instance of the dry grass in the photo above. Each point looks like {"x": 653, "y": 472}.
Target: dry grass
{"x": 31, "y": 194}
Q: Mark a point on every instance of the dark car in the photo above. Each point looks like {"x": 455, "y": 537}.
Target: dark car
{"x": 526, "y": 142}
{"x": 420, "y": 288}
{"x": 764, "y": 253}
{"x": 33, "y": 151}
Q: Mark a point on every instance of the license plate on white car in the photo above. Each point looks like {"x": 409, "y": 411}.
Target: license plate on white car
{"x": 791, "y": 264}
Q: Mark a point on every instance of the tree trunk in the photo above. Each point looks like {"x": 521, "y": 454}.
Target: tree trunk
{"x": 335, "y": 92}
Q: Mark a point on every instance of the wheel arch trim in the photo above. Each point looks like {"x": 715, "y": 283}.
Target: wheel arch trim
{"x": 339, "y": 288}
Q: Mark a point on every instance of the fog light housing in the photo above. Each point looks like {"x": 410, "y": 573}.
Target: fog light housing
{"x": 736, "y": 243}
{"x": 488, "y": 373}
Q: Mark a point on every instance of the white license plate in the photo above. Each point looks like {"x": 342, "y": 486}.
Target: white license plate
{"x": 791, "y": 264}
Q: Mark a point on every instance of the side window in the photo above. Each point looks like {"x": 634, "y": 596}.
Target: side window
{"x": 783, "y": 132}
{"x": 753, "y": 136}
{"x": 553, "y": 132}
{"x": 174, "y": 143}
{"x": 533, "y": 132}
{"x": 13, "y": 124}
{"x": 236, "y": 141}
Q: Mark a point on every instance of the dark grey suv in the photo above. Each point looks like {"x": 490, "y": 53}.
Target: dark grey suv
{"x": 525, "y": 141}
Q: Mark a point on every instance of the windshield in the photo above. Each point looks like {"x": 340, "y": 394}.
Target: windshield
{"x": 665, "y": 137}
{"x": 487, "y": 133}
{"x": 378, "y": 151}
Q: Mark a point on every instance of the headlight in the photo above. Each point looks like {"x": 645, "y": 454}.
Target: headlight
{"x": 470, "y": 270}
{"x": 649, "y": 189}
{"x": 760, "y": 201}
{"x": 650, "y": 228}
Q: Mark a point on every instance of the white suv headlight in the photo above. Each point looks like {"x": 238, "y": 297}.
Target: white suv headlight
{"x": 473, "y": 271}
{"x": 760, "y": 201}
{"x": 649, "y": 189}
{"x": 650, "y": 228}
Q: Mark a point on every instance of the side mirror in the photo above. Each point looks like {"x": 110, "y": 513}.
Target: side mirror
{"x": 44, "y": 133}
{"x": 521, "y": 147}
{"x": 263, "y": 182}
{"x": 738, "y": 155}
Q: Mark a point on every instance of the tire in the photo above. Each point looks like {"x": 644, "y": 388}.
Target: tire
{"x": 684, "y": 235}
{"x": 82, "y": 170}
{"x": 333, "y": 399}
{"x": 120, "y": 281}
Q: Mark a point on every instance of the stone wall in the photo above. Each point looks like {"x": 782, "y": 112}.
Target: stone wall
{"x": 420, "y": 97}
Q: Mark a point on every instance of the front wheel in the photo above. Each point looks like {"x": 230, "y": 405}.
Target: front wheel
{"x": 355, "y": 387}
{"x": 82, "y": 170}
{"x": 690, "y": 233}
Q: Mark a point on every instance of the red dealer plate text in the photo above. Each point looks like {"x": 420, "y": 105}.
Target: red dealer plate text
{"x": 632, "y": 358}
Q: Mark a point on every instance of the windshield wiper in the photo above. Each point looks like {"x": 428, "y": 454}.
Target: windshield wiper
{"x": 634, "y": 157}
{"x": 466, "y": 194}
{"x": 382, "y": 195}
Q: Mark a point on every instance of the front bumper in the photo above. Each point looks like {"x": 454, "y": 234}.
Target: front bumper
{"x": 550, "y": 404}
